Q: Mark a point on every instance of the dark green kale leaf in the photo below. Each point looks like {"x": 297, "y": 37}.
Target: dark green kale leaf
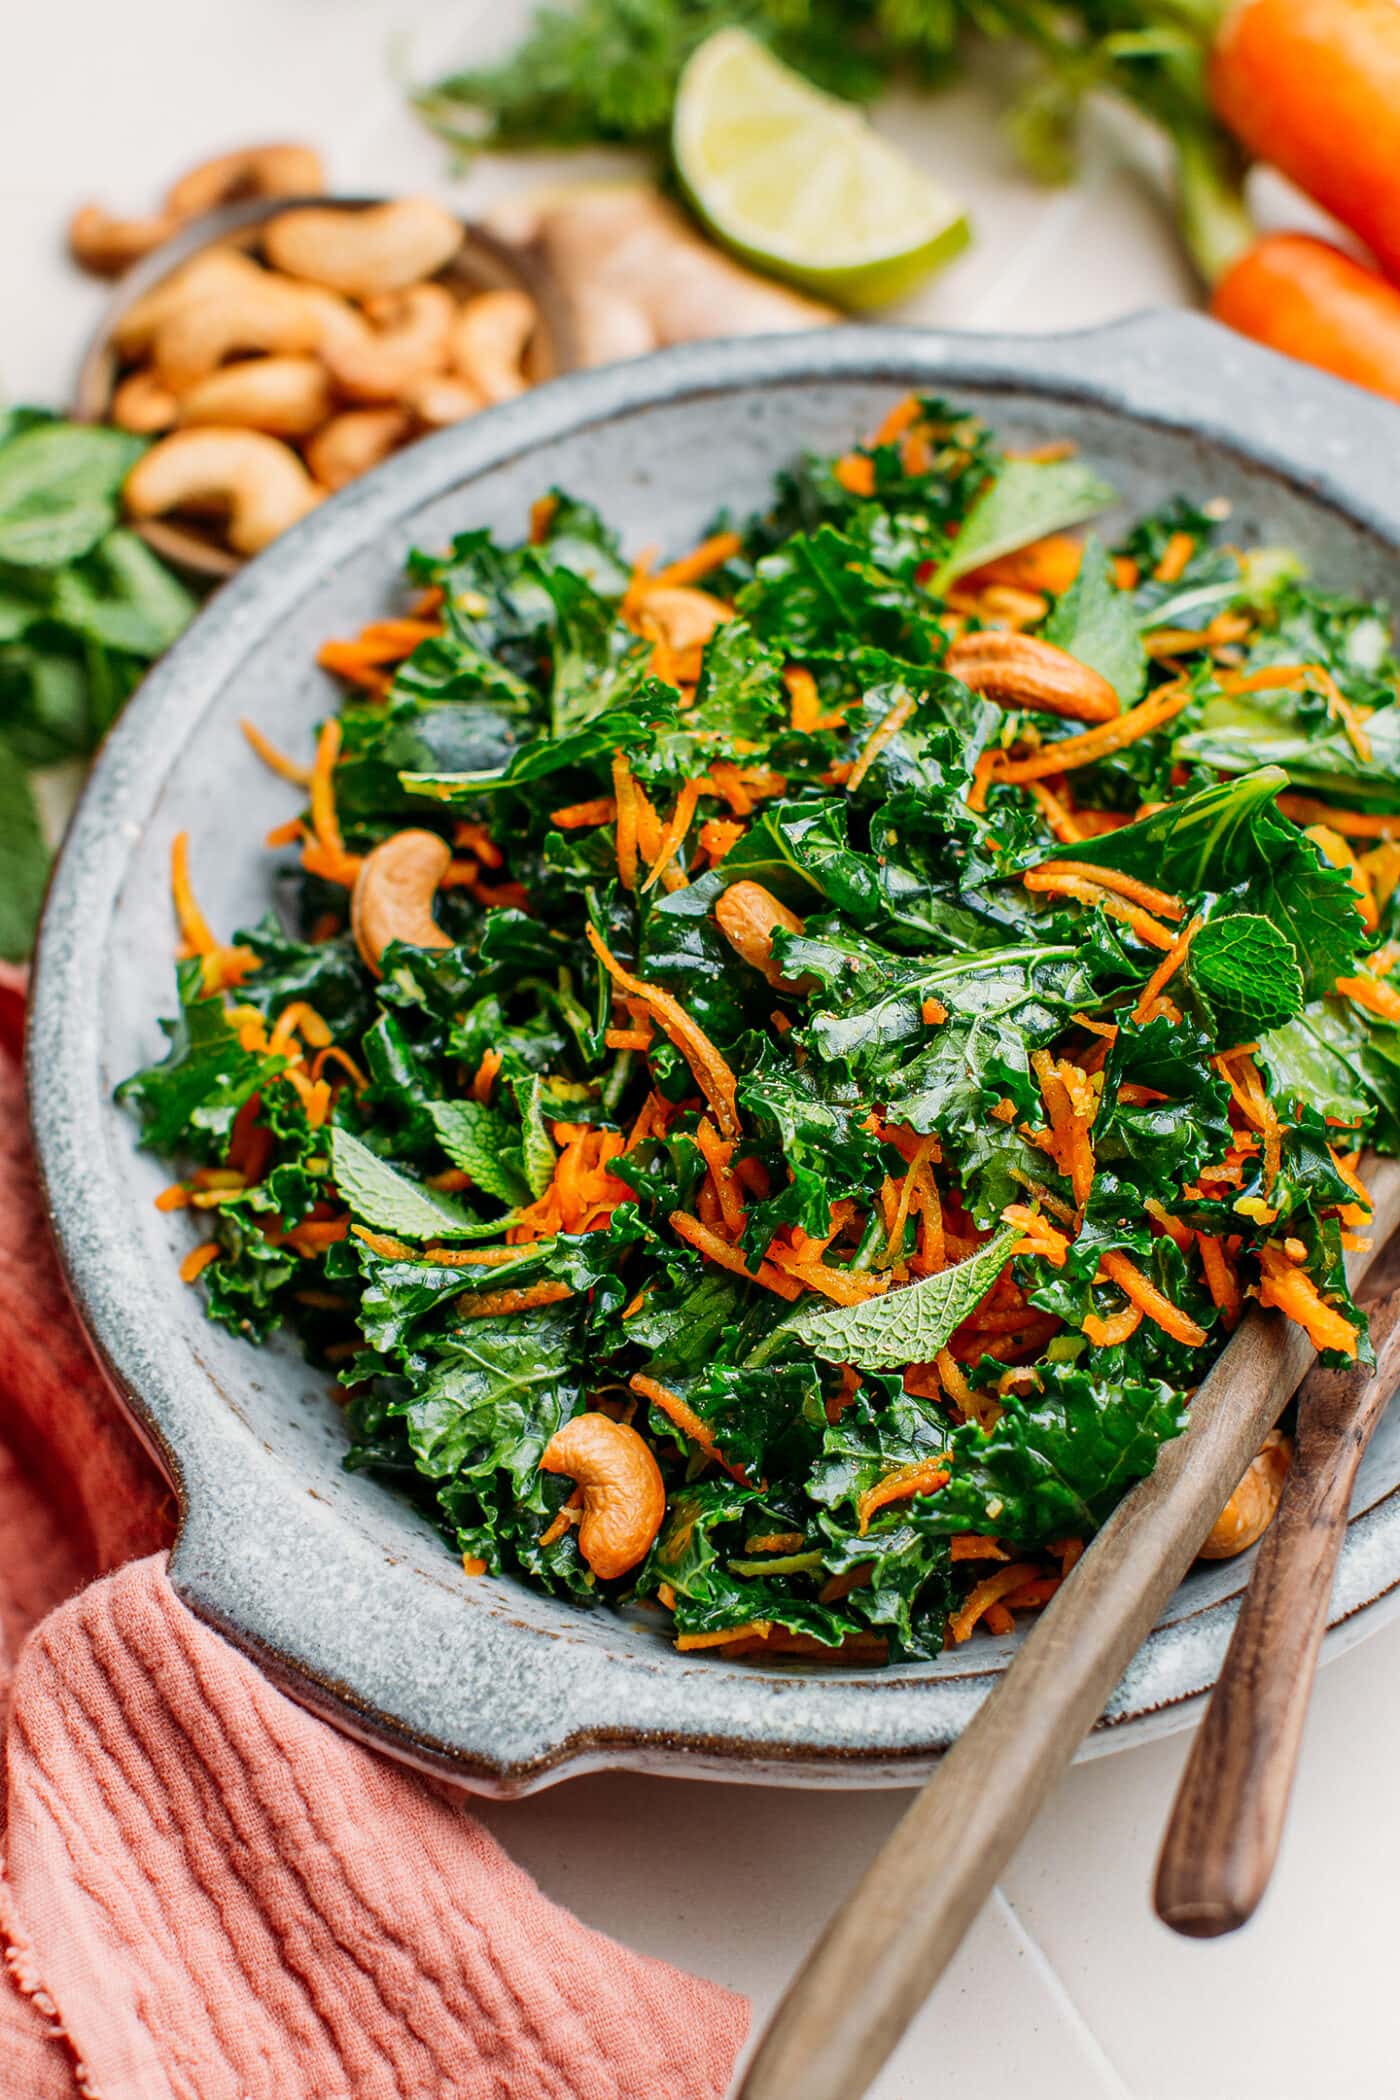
{"x": 1057, "y": 1461}
{"x": 1156, "y": 1147}
{"x": 187, "y": 1102}
{"x": 328, "y": 975}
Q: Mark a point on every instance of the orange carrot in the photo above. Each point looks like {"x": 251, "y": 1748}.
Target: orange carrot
{"x": 1292, "y": 1290}
{"x": 719, "y": 1251}
{"x": 198, "y": 1260}
{"x": 287, "y": 768}
{"x": 1313, "y": 86}
{"x": 712, "y": 1075}
{"x": 1107, "y": 1332}
{"x": 924, "y": 1477}
{"x": 1311, "y": 301}
{"x": 1221, "y": 1280}
{"x": 988, "y": 1593}
{"x": 684, "y": 1418}
{"x": 1166, "y": 969}
{"x": 1065, "y": 754}
{"x": 1139, "y": 1291}
{"x": 1086, "y": 892}
{"x": 576, "y": 816}
{"x": 492, "y": 1303}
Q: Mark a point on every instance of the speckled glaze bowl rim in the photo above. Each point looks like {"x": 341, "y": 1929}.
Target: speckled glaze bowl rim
{"x": 571, "y": 1709}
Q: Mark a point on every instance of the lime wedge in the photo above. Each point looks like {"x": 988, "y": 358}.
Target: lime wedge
{"x": 796, "y": 182}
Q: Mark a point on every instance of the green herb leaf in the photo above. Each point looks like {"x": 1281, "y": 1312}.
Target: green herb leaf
{"x": 1096, "y": 622}
{"x": 1024, "y": 503}
{"x": 393, "y": 1202}
{"x": 481, "y": 1142}
{"x": 911, "y": 1325}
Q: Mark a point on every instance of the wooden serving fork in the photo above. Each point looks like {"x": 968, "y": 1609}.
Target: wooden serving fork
{"x": 1223, "y": 1834}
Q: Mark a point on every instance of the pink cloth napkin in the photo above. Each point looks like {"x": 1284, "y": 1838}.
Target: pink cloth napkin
{"x": 208, "y": 1894}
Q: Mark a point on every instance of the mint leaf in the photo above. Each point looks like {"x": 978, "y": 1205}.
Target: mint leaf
{"x": 1025, "y": 502}
{"x": 480, "y": 1142}
{"x": 1096, "y": 623}
{"x": 1247, "y": 969}
{"x": 392, "y": 1202}
{"x": 58, "y": 491}
{"x": 908, "y": 1326}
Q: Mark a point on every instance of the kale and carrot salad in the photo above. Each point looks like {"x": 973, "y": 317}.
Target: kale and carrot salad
{"x": 776, "y": 1070}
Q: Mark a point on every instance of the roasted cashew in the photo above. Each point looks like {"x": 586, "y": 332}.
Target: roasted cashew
{"x": 143, "y": 402}
{"x": 489, "y": 340}
{"x": 381, "y": 249}
{"x": 393, "y": 895}
{"x": 106, "y": 245}
{"x": 400, "y": 337}
{"x": 624, "y": 1498}
{"x": 437, "y": 399}
{"x": 350, "y": 445}
{"x": 748, "y": 917}
{"x": 263, "y": 313}
{"x": 252, "y": 171}
{"x": 215, "y": 271}
{"x": 681, "y": 617}
{"x": 1250, "y": 1510}
{"x": 288, "y": 396}
{"x": 258, "y": 480}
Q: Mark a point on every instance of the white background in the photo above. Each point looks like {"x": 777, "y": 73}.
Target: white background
{"x": 1067, "y": 1989}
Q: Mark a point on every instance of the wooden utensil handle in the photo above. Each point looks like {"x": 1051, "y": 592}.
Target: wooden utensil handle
{"x": 1223, "y": 1835}
{"x": 887, "y": 1946}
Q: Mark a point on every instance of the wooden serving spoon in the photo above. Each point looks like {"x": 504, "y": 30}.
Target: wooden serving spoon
{"x": 890, "y": 1942}
{"x": 1223, "y": 1834}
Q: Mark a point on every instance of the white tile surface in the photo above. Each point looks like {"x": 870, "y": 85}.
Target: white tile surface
{"x": 1067, "y": 1989}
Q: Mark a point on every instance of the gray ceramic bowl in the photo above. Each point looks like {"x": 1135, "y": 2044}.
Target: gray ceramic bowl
{"x": 344, "y": 1594}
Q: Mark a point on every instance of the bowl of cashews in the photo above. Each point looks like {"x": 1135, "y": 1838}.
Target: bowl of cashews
{"x": 276, "y": 348}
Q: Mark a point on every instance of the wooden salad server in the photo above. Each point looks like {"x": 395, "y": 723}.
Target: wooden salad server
{"x": 891, "y": 1941}
{"x": 1223, "y": 1834}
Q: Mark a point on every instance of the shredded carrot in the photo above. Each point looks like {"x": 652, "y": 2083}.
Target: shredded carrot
{"x": 287, "y": 768}
{"x": 473, "y": 1564}
{"x": 1141, "y": 1292}
{"x": 198, "y": 1260}
{"x": 719, "y": 1251}
{"x": 485, "y": 1080}
{"x": 842, "y": 1286}
{"x": 1066, "y": 754}
{"x": 884, "y": 732}
{"x": 1352, "y": 823}
{"x": 1050, "y": 564}
{"x": 1069, "y": 1126}
{"x": 901, "y": 417}
{"x": 1109, "y": 1331}
{"x": 718, "y": 836}
{"x": 711, "y": 554}
{"x": 686, "y": 1420}
{"x": 1362, "y": 1211}
{"x": 333, "y": 862}
{"x": 1176, "y": 558}
{"x": 712, "y": 1075}
{"x": 802, "y": 693}
{"x": 176, "y": 1197}
{"x": 856, "y": 473}
{"x": 568, "y": 1515}
{"x": 1166, "y": 969}
{"x": 1136, "y": 892}
{"x": 1374, "y": 994}
{"x": 987, "y": 1593}
{"x": 1292, "y": 1290}
{"x": 918, "y": 1171}
{"x": 718, "y": 1157}
{"x": 579, "y": 816}
{"x": 334, "y": 1055}
{"x": 194, "y": 927}
{"x": 970, "y": 1545}
{"x": 493, "y": 1303}
{"x": 1221, "y": 1280}
{"x": 286, "y": 834}
{"x": 775, "y": 1542}
{"x": 625, "y": 801}
{"x": 924, "y": 1477}
{"x": 1241, "y": 1075}
{"x": 382, "y": 642}
{"x": 751, "y": 1630}
{"x": 1148, "y": 930}
{"x": 1041, "y": 1237}
{"x": 298, "y": 1018}
{"x": 673, "y": 834}
{"x": 933, "y": 1013}
{"x": 1057, "y": 816}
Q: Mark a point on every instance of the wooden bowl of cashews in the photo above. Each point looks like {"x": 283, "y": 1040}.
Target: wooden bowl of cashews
{"x": 278, "y": 348}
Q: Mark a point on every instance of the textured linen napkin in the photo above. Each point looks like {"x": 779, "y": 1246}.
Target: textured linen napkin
{"x": 207, "y": 1894}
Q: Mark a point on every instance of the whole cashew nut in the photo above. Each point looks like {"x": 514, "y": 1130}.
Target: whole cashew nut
{"x": 251, "y": 171}
{"x": 624, "y": 1497}
{"x": 749, "y": 916}
{"x": 393, "y": 895}
{"x": 437, "y": 399}
{"x": 350, "y": 445}
{"x": 215, "y": 271}
{"x": 489, "y": 339}
{"x": 381, "y": 249}
{"x": 259, "y": 481}
{"x": 105, "y": 245}
{"x": 401, "y": 336}
{"x": 264, "y": 313}
{"x": 288, "y": 396}
{"x": 1250, "y": 1510}
{"x": 143, "y": 402}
